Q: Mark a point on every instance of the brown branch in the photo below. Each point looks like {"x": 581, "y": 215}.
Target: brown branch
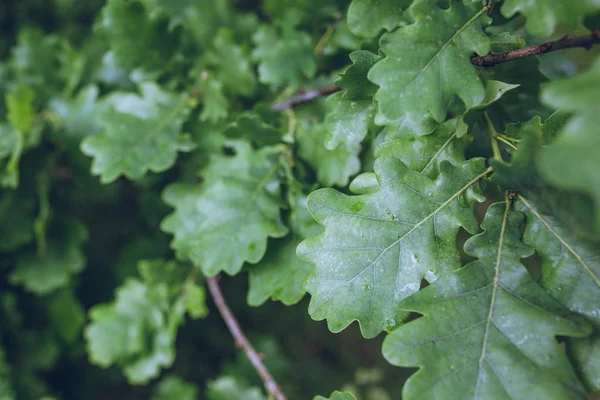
{"x": 241, "y": 340}
{"x": 567, "y": 42}
{"x": 305, "y": 97}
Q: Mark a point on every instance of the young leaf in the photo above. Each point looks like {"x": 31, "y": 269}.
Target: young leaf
{"x": 544, "y": 16}
{"x": 487, "y": 330}
{"x": 570, "y": 265}
{"x": 141, "y": 133}
{"x": 367, "y": 18}
{"x": 440, "y": 43}
{"x": 377, "y": 248}
{"x": 227, "y": 222}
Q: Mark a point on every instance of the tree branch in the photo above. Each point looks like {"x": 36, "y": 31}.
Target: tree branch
{"x": 567, "y": 42}
{"x": 305, "y": 97}
{"x": 241, "y": 341}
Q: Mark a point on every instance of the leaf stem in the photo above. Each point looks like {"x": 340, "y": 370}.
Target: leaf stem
{"x": 493, "y": 137}
{"x": 506, "y": 142}
{"x": 240, "y": 339}
{"x": 437, "y": 154}
{"x": 325, "y": 39}
{"x": 566, "y": 42}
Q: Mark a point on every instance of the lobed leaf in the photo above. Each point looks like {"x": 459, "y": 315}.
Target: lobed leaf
{"x": 487, "y": 330}
{"x": 545, "y": 16}
{"x": 377, "y": 248}
{"x": 413, "y": 90}
{"x": 140, "y": 133}
{"x": 228, "y": 220}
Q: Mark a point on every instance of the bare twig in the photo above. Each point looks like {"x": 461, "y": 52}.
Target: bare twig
{"x": 566, "y": 42}
{"x": 241, "y": 340}
{"x": 305, "y": 97}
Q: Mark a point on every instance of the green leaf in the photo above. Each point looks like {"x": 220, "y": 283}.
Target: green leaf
{"x": 232, "y": 64}
{"x": 215, "y": 103}
{"x": 367, "y": 18}
{"x": 365, "y": 183}
{"x": 79, "y": 116}
{"x": 195, "y": 302}
{"x": 227, "y": 388}
{"x": 570, "y": 266}
{"x": 137, "y": 331}
{"x": 414, "y": 89}
{"x": 285, "y": 59}
{"x": 20, "y": 108}
{"x": 35, "y": 63}
{"x": 377, "y": 248}
{"x": 579, "y": 139}
{"x": 227, "y": 221}
{"x": 44, "y": 273}
{"x": 347, "y": 122}
{"x": 132, "y": 332}
{"x": 279, "y": 276}
{"x": 424, "y": 153}
{"x": 67, "y": 315}
{"x": 523, "y": 176}
{"x": 487, "y": 330}
{"x": 545, "y": 16}
{"x": 354, "y": 79}
{"x": 140, "y": 133}
{"x": 250, "y": 125}
{"x": 135, "y": 40}
{"x": 176, "y": 10}
{"x": 337, "y": 395}
{"x": 173, "y": 387}
{"x": 333, "y": 167}
{"x": 586, "y": 355}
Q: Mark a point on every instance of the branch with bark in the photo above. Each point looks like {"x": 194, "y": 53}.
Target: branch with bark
{"x": 241, "y": 341}
{"x": 565, "y": 43}
{"x": 489, "y": 60}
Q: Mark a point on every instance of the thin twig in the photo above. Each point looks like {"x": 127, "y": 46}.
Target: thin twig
{"x": 241, "y": 340}
{"x": 566, "y": 42}
{"x": 305, "y": 97}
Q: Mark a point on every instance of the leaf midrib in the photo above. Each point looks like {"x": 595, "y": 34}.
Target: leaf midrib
{"x": 399, "y": 240}
{"x": 441, "y": 50}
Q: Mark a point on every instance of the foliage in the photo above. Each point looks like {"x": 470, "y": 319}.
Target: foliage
{"x": 451, "y": 210}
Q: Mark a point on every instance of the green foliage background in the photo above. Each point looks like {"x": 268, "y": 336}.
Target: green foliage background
{"x": 140, "y": 153}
